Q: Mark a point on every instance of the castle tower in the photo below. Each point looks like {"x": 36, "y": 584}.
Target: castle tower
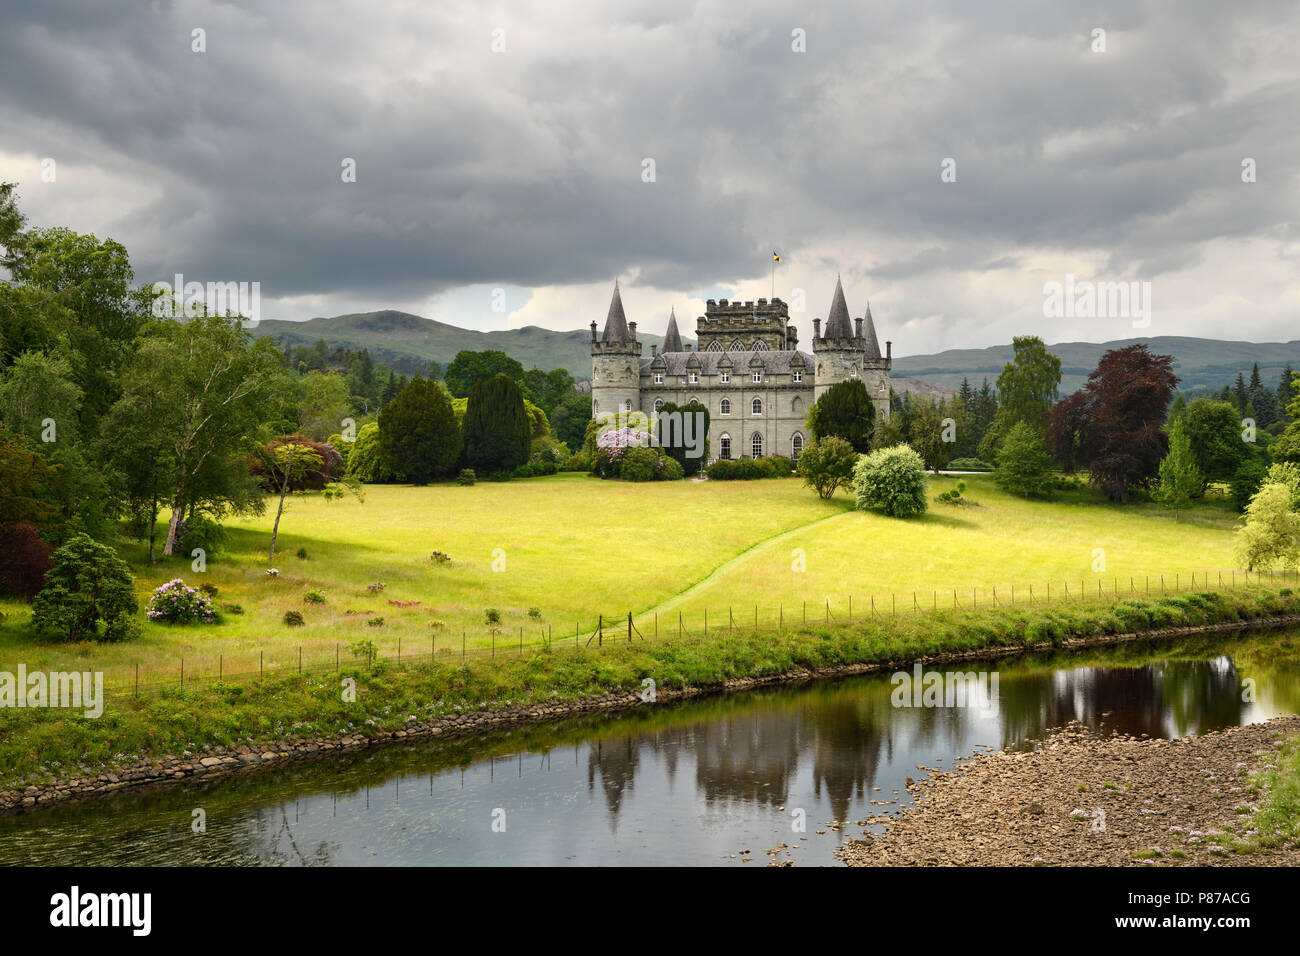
{"x": 847, "y": 350}
{"x": 615, "y": 363}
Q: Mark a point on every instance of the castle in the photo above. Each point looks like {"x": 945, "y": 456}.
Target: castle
{"x": 747, "y": 370}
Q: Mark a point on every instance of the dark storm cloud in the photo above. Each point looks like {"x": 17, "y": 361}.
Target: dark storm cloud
{"x": 524, "y": 167}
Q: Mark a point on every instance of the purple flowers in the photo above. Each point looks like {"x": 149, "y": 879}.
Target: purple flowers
{"x": 177, "y": 603}
{"x": 438, "y": 557}
{"x": 376, "y": 587}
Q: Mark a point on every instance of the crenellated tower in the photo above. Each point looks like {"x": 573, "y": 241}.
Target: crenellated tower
{"x": 849, "y": 349}
{"x": 615, "y": 363}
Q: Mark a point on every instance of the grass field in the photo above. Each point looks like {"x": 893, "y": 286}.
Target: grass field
{"x": 574, "y": 547}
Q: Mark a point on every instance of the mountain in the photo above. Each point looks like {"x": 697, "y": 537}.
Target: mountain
{"x": 394, "y": 337}
{"x": 1200, "y": 363}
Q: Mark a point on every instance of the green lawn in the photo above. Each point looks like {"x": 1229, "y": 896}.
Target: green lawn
{"x": 574, "y": 547}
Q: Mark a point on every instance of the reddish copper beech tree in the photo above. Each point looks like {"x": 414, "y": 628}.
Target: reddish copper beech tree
{"x": 1114, "y": 425}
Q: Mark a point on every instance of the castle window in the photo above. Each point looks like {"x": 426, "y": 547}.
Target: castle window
{"x": 725, "y": 407}
{"x": 760, "y": 345}
{"x": 797, "y": 374}
{"x": 796, "y": 446}
{"x": 627, "y": 404}
{"x": 726, "y": 378}
{"x": 714, "y": 346}
{"x": 724, "y": 446}
{"x": 756, "y": 445}
{"x": 695, "y": 377}
{"x": 738, "y": 346}
{"x": 595, "y": 407}
{"x": 758, "y": 406}
{"x": 659, "y": 378}
{"x": 796, "y": 405}
{"x": 758, "y": 377}
{"x": 659, "y": 403}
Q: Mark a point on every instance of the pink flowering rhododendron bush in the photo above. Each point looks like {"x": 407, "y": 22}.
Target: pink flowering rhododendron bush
{"x": 177, "y": 603}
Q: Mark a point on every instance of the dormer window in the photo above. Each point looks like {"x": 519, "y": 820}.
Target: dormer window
{"x": 726, "y": 378}
{"x": 797, "y": 375}
{"x": 758, "y": 377}
{"x": 694, "y": 377}
{"x": 659, "y": 378}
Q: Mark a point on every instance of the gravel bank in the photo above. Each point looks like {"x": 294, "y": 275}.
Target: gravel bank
{"x": 1010, "y": 809}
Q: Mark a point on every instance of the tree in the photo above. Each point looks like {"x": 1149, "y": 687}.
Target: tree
{"x": 826, "y": 465}
{"x": 28, "y": 484}
{"x": 934, "y": 440}
{"x": 1262, "y": 398}
{"x": 1270, "y": 535}
{"x": 24, "y": 560}
{"x": 1115, "y": 424}
{"x": 1286, "y": 390}
{"x": 891, "y": 480}
{"x": 418, "y": 436}
{"x": 1287, "y": 446}
{"x": 294, "y": 460}
{"x": 845, "y": 410}
{"x": 1180, "y": 480}
{"x": 1024, "y": 467}
{"x": 132, "y": 444}
{"x": 217, "y": 385}
{"x": 366, "y": 461}
{"x": 87, "y": 586}
{"x": 323, "y": 403}
{"x": 1028, "y": 385}
{"x": 36, "y": 388}
{"x": 467, "y": 369}
{"x": 674, "y": 443}
{"x": 1214, "y": 435}
{"x": 497, "y": 429}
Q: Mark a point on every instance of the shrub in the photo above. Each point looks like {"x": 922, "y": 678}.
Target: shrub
{"x": 439, "y": 557}
{"x": 200, "y": 532}
{"x": 87, "y": 586}
{"x": 1271, "y": 534}
{"x": 233, "y": 608}
{"x": 376, "y": 587}
{"x": 491, "y": 616}
{"x": 24, "y": 560}
{"x": 1024, "y": 467}
{"x": 1246, "y": 480}
{"x": 580, "y": 461}
{"x": 466, "y": 477}
{"x": 969, "y": 464}
{"x": 294, "y": 618}
{"x": 639, "y": 464}
{"x": 545, "y": 468}
{"x": 747, "y": 469}
{"x": 501, "y": 475}
{"x": 783, "y": 466}
{"x": 302, "y": 553}
{"x": 375, "y": 622}
{"x": 523, "y": 471}
{"x": 955, "y": 496}
{"x": 724, "y": 469}
{"x": 208, "y": 589}
{"x": 891, "y": 480}
{"x": 669, "y": 469}
{"x": 313, "y": 597}
{"x": 827, "y": 465}
{"x": 535, "y": 613}
{"x": 177, "y": 603}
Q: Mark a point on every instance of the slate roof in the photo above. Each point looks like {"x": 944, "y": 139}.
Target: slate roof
{"x": 776, "y": 361}
{"x": 616, "y": 322}
{"x": 873, "y": 346}
{"x": 838, "y": 325}
{"x": 672, "y": 338}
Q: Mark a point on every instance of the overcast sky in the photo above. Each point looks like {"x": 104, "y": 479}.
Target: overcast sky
{"x": 523, "y": 168}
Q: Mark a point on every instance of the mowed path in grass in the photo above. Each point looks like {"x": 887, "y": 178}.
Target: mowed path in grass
{"x": 1006, "y": 541}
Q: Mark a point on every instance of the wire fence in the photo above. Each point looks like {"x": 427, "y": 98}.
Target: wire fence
{"x": 629, "y": 628}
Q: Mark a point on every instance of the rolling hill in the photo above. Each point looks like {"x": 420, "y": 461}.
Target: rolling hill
{"x": 400, "y": 336}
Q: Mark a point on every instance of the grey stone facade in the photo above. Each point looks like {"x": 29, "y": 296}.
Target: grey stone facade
{"x": 748, "y": 371}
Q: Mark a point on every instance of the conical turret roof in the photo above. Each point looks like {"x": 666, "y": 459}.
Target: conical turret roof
{"x": 838, "y": 325}
{"x": 672, "y": 338}
{"x": 615, "y": 322}
{"x": 869, "y": 333}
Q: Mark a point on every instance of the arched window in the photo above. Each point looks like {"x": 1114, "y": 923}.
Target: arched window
{"x": 725, "y": 407}
{"x": 758, "y": 406}
{"x": 659, "y": 403}
{"x": 796, "y": 405}
{"x": 724, "y": 446}
{"x": 627, "y": 404}
{"x": 714, "y": 346}
{"x": 756, "y": 445}
{"x": 760, "y": 345}
{"x": 796, "y": 446}
{"x": 737, "y": 346}
{"x": 595, "y": 407}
